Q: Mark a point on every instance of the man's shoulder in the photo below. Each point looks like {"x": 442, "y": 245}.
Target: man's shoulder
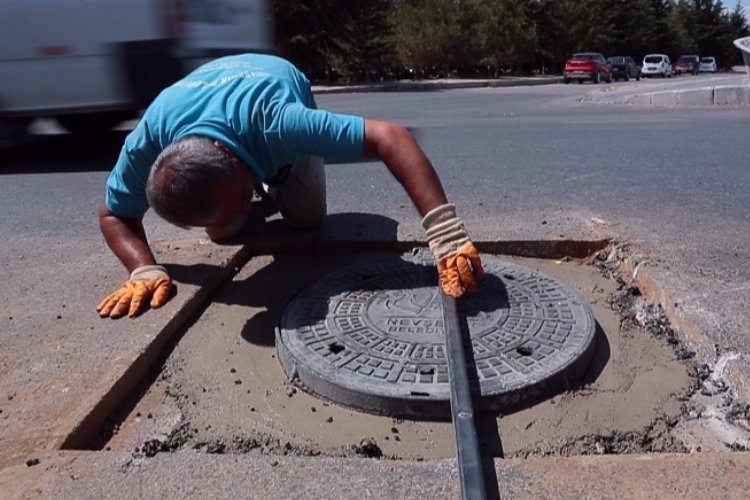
{"x": 270, "y": 64}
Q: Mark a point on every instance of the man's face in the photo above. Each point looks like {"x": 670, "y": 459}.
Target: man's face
{"x": 232, "y": 197}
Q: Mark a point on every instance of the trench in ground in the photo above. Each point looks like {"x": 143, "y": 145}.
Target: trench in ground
{"x": 219, "y": 388}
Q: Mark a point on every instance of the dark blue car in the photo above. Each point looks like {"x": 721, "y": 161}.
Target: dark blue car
{"x": 624, "y": 68}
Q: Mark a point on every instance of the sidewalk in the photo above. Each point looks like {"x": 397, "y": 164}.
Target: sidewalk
{"x": 198, "y": 475}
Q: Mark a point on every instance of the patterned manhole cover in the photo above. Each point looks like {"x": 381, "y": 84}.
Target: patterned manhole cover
{"x": 371, "y": 337}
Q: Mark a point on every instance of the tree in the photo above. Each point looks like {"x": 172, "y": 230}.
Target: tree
{"x": 425, "y": 31}
{"x": 363, "y": 38}
{"x": 364, "y": 41}
{"x": 508, "y": 34}
{"x": 305, "y": 32}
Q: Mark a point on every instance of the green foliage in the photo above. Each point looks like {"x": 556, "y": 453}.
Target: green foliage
{"x": 373, "y": 39}
{"x": 364, "y": 40}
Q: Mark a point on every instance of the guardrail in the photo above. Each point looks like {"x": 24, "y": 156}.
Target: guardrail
{"x": 744, "y": 45}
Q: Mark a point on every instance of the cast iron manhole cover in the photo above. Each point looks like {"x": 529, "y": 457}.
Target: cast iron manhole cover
{"x": 371, "y": 337}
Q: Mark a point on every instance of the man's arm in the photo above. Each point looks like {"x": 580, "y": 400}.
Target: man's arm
{"x": 126, "y": 238}
{"x": 396, "y": 147}
{"x": 148, "y": 282}
{"x": 457, "y": 259}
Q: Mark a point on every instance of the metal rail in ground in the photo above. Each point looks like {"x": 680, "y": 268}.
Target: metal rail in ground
{"x": 470, "y": 472}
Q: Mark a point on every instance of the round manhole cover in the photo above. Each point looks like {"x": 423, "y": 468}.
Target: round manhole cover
{"x": 371, "y": 337}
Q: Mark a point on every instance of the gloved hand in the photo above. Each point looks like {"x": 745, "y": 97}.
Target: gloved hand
{"x": 457, "y": 259}
{"x": 146, "y": 282}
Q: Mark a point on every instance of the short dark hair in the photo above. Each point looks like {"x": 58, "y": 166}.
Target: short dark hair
{"x": 182, "y": 179}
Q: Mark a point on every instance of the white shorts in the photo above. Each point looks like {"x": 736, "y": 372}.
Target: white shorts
{"x": 302, "y": 197}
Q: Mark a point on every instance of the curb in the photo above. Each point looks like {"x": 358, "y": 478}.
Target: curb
{"x": 430, "y": 85}
{"x": 720, "y": 95}
{"x": 635, "y": 268}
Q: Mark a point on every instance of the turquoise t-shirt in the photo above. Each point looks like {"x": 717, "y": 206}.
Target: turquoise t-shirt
{"x": 260, "y": 106}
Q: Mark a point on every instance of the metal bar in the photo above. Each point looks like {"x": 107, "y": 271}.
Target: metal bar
{"x": 470, "y": 472}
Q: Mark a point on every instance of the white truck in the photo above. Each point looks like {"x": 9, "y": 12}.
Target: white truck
{"x": 93, "y": 63}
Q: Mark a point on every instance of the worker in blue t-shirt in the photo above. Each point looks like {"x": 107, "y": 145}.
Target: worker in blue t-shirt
{"x": 206, "y": 141}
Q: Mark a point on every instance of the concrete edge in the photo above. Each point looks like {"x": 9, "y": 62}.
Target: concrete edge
{"x": 720, "y": 95}
{"x": 694, "y": 336}
{"x": 79, "y": 430}
{"x": 182, "y": 474}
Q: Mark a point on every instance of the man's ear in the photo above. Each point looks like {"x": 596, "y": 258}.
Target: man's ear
{"x": 223, "y": 147}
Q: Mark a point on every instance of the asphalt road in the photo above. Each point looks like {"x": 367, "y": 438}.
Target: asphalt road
{"x": 537, "y": 162}
{"x": 520, "y": 163}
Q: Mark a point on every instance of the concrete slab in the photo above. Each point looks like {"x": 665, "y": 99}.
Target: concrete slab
{"x": 695, "y": 97}
{"x": 639, "y": 99}
{"x": 666, "y": 98}
{"x": 731, "y": 95}
{"x": 192, "y": 475}
{"x": 59, "y": 358}
{"x": 63, "y": 368}
{"x": 223, "y": 387}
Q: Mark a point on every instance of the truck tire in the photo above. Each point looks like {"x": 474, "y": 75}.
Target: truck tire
{"x": 93, "y": 123}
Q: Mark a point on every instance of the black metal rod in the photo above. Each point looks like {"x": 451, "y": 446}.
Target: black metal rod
{"x": 470, "y": 472}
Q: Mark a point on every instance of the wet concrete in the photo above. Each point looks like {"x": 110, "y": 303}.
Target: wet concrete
{"x": 222, "y": 389}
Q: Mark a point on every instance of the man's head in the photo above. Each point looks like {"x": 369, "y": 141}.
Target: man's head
{"x": 197, "y": 181}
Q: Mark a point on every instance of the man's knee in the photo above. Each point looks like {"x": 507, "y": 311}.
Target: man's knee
{"x": 302, "y": 199}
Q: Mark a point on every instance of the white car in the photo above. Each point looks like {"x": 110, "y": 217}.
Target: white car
{"x": 707, "y": 65}
{"x": 657, "y": 65}
{"x": 93, "y": 63}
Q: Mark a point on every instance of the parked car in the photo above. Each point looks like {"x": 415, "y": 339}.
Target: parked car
{"x": 93, "y": 63}
{"x": 587, "y": 66}
{"x": 687, "y": 64}
{"x": 657, "y": 65}
{"x": 624, "y": 67}
{"x": 707, "y": 65}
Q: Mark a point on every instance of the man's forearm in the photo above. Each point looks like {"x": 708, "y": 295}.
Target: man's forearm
{"x": 126, "y": 238}
{"x": 396, "y": 147}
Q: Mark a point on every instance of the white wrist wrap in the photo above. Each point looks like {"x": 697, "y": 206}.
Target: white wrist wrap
{"x": 445, "y": 232}
{"x": 149, "y": 273}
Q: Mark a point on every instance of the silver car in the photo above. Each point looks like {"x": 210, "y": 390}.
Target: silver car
{"x": 707, "y": 65}
{"x": 657, "y": 65}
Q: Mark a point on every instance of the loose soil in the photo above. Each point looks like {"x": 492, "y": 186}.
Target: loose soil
{"x": 222, "y": 390}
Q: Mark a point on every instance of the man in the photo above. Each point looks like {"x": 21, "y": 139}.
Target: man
{"x": 240, "y": 121}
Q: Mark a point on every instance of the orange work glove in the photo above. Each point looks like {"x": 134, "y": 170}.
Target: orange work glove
{"x": 458, "y": 261}
{"x": 146, "y": 282}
